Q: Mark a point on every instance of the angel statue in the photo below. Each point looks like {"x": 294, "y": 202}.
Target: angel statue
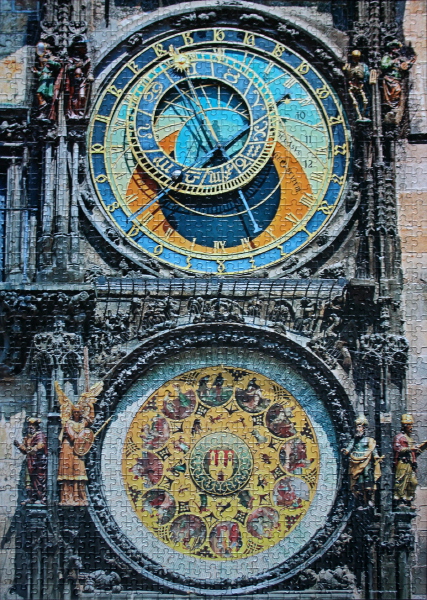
{"x": 76, "y": 440}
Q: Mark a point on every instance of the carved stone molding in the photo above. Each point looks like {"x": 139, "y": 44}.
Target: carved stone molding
{"x": 385, "y": 349}
{"x": 132, "y": 310}
{"x": 42, "y": 315}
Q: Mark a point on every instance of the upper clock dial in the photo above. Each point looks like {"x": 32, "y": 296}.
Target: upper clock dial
{"x": 219, "y": 151}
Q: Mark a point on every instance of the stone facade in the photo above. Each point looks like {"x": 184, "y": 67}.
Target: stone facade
{"x": 199, "y": 402}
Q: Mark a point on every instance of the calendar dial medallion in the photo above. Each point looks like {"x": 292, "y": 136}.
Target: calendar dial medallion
{"x": 218, "y": 151}
{"x": 221, "y": 463}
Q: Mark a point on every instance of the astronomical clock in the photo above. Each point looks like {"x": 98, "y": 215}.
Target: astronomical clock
{"x": 201, "y": 305}
{"x": 224, "y": 471}
{"x": 218, "y": 151}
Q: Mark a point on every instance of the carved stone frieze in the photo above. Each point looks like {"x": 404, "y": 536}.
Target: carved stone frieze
{"x": 215, "y": 310}
{"x": 26, "y": 315}
{"x": 129, "y": 310}
{"x": 312, "y": 311}
{"x": 385, "y": 349}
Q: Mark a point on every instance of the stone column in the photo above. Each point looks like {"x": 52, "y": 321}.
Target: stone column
{"x": 74, "y": 212}
{"x": 404, "y": 544}
{"x": 13, "y": 270}
{"x": 62, "y": 204}
{"x": 47, "y": 212}
{"x": 35, "y": 518}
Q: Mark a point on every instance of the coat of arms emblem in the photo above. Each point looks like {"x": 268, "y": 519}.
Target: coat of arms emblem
{"x": 221, "y": 463}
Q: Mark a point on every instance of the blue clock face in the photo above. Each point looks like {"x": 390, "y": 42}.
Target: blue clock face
{"x": 218, "y": 151}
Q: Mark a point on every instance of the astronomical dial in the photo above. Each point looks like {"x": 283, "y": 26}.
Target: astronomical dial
{"x": 219, "y": 151}
{"x": 200, "y": 123}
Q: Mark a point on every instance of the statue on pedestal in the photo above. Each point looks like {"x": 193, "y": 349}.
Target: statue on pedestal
{"x": 364, "y": 464}
{"x": 49, "y": 73}
{"x": 34, "y": 446}
{"x": 78, "y": 79}
{"x": 395, "y": 65}
{"x": 406, "y": 453}
{"x": 76, "y": 440}
{"x": 357, "y": 73}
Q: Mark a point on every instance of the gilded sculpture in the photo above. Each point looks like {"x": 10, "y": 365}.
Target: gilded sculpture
{"x": 406, "y": 452}
{"x": 76, "y": 439}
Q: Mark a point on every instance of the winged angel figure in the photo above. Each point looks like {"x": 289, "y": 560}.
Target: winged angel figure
{"x": 76, "y": 440}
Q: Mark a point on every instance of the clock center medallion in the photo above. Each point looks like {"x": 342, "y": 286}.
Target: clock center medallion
{"x": 221, "y": 463}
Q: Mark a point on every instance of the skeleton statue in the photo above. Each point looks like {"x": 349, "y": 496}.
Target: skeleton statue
{"x": 357, "y": 73}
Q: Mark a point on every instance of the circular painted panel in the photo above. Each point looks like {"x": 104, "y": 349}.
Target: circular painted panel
{"x": 218, "y": 151}
{"x": 222, "y": 471}
{"x": 222, "y": 463}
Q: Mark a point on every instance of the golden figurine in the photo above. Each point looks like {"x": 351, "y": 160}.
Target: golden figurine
{"x": 76, "y": 440}
{"x": 406, "y": 452}
{"x": 364, "y": 463}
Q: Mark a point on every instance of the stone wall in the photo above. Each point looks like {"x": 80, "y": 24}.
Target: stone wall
{"x": 412, "y": 189}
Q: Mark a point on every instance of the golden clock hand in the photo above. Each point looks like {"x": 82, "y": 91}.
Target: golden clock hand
{"x": 159, "y": 196}
{"x": 224, "y": 152}
{"x": 197, "y": 101}
{"x": 194, "y": 112}
{"x": 203, "y": 161}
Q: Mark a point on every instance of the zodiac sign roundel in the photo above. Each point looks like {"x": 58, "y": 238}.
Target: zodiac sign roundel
{"x": 220, "y": 463}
